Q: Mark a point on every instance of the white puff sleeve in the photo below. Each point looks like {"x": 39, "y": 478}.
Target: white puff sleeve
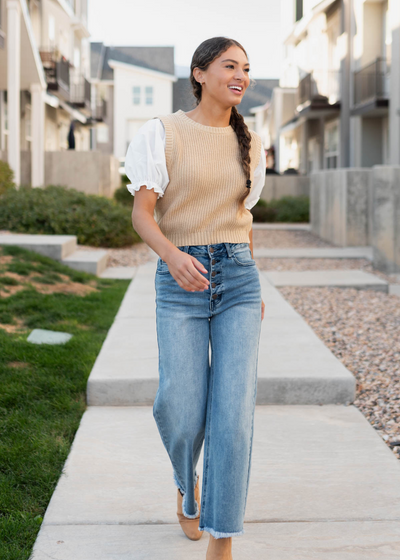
{"x": 259, "y": 180}
{"x": 145, "y": 162}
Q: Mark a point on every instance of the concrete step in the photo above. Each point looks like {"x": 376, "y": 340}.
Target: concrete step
{"x": 323, "y": 484}
{"x": 94, "y": 262}
{"x": 338, "y": 278}
{"x": 61, "y": 248}
{"x": 394, "y": 289}
{"x": 294, "y": 365}
{"x": 57, "y": 247}
{"x": 315, "y": 253}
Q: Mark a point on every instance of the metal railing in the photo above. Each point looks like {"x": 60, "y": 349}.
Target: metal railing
{"x": 372, "y": 82}
{"x": 80, "y": 90}
{"x": 321, "y": 86}
{"x": 100, "y": 110}
{"x": 56, "y": 69}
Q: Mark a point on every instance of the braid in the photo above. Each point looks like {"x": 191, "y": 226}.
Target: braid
{"x": 244, "y": 140}
{"x": 205, "y": 53}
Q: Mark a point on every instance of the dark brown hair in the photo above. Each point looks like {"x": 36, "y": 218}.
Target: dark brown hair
{"x": 203, "y": 56}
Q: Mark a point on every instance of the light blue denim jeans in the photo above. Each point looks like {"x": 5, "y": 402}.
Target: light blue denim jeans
{"x": 198, "y": 401}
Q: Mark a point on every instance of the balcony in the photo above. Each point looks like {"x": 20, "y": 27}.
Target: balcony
{"x": 56, "y": 69}
{"x": 371, "y": 88}
{"x": 318, "y": 90}
{"x": 100, "y": 110}
{"x": 80, "y": 91}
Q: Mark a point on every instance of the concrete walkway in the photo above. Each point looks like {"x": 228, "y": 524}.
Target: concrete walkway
{"x": 294, "y": 367}
{"x": 323, "y": 483}
{"x": 314, "y": 253}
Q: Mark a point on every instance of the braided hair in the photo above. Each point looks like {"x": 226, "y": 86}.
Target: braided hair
{"x": 204, "y": 55}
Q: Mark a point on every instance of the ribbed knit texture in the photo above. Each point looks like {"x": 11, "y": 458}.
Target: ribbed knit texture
{"x": 200, "y": 204}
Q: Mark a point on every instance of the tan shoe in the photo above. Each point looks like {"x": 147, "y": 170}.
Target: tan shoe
{"x": 190, "y": 526}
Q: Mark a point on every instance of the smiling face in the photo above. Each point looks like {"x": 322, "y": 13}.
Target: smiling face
{"x": 226, "y": 78}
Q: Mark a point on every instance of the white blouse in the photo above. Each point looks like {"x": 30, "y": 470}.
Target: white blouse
{"x": 145, "y": 163}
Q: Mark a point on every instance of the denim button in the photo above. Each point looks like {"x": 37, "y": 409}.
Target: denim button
{"x": 213, "y": 261}
{"x": 213, "y": 273}
{"x": 213, "y": 284}
{"x": 215, "y": 296}
{"x": 211, "y": 249}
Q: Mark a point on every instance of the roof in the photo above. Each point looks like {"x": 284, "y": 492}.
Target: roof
{"x": 152, "y": 58}
{"x": 184, "y": 99}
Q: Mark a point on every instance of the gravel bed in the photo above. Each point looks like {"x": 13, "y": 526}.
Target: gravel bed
{"x": 134, "y": 255}
{"x": 362, "y": 329}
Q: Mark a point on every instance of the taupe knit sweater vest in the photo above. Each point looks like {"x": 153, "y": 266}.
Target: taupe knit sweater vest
{"x": 200, "y": 204}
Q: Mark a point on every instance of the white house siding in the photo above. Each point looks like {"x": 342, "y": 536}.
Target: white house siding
{"x": 128, "y": 117}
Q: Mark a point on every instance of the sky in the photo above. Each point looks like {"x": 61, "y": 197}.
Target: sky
{"x": 185, "y": 24}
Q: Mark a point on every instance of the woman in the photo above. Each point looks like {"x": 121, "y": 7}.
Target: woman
{"x": 202, "y": 172}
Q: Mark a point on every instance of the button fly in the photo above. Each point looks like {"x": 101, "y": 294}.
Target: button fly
{"x": 214, "y": 296}
{"x": 211, "y": 249}
{"x": 213, "y": 261}
{"x": 213, "y": 284}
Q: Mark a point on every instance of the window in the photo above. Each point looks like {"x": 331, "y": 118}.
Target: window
{"x": 331, "y": 145}
{"x": 102, "y": 134}
{"x": 299, "y": 9}
{"x": 136, "y": 95}
{"x": 149, "y": 95}
{"x": 52, "y": 30}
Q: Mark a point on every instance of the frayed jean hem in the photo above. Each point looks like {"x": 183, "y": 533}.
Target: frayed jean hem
{"x": 219, "y": 535}
{"x": 188, "y": 515}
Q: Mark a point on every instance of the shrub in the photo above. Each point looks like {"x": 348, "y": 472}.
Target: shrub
{"x": 6, "y": 177}
{"x": 285, "y": 209}
{"x": 123, "y": 196}
{"x": 95, "y": 220}
{"x": 263, "y": 213}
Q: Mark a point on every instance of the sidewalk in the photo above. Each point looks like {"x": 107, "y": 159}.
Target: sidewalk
{"x": 323, "y": 483}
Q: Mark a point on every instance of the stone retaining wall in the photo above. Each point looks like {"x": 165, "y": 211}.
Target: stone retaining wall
{"x": 359, "y": 207}
{"x": 90, "y": 172}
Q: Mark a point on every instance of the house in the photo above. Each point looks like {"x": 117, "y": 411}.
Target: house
{"x": 337, "y": 104}
{"x": 137, "y": 84}
{"x": 44, "y": 87}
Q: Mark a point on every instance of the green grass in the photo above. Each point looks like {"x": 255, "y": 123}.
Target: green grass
{"x": 43, "y": 387}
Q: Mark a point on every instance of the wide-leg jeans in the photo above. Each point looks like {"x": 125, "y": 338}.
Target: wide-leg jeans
{"x": 212, "y": 401}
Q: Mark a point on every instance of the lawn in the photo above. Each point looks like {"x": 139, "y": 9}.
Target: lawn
{"x": 43, "y": 387}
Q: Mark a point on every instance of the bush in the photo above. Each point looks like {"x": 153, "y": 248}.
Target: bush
{"x": 95, "y": 220}
{"x": 6, "y": 177}
{"x": 285, "y": 209}
{"x": 123, "y": 196}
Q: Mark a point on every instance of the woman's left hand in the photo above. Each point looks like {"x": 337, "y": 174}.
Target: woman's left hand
{"x": 262, "y": 309}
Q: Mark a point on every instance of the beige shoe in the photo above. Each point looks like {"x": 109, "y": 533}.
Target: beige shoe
{"x": 190, "y": 526}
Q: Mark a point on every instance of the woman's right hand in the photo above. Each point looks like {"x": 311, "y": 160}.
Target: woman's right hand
{"x": 185, "y": 269}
